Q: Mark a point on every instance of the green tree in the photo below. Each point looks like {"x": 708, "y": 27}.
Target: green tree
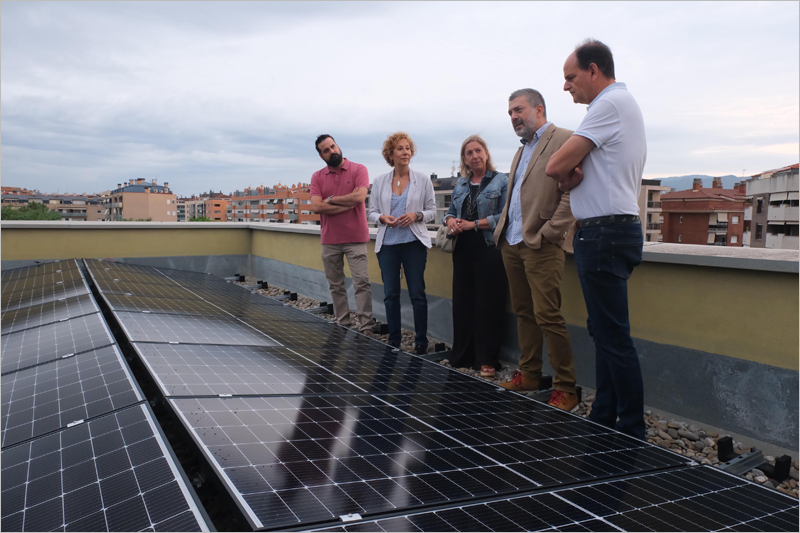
{"x": 200, "y": 219}
{"x": 31, "y": 211}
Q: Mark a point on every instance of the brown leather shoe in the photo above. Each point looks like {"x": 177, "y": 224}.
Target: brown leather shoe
{"x": 519, "y": 382}
{"x": 563, "y": 400}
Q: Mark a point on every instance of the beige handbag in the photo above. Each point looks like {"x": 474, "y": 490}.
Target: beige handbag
{"x": 444, "y": 240}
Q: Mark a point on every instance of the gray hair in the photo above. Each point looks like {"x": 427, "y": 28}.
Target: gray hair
{"x": 533, "y": 97}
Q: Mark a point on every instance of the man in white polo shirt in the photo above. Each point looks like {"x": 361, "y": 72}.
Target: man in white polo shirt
{"x": 601, "y": 165}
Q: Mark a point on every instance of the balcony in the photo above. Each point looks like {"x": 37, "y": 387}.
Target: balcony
{"x": 782, "y": 242}
{"x": 653, "y": 226}
{"x": 718, "y": 228}
{"x": 783, "y": 213}
{"x": 654, "y": 205}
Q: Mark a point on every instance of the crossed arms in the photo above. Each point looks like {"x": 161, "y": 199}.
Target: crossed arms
{"x": 564, "y": 166}
{"x": 338, "y": 204}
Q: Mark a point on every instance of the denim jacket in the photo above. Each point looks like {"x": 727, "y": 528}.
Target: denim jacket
{"x": 491, "y": 201}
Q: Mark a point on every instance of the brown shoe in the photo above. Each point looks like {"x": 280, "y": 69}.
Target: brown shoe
{"x": 519, "y": 382}
{"x": 563, "y": 400}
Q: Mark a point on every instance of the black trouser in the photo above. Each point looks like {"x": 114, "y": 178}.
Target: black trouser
{"x": 479, "y": 302}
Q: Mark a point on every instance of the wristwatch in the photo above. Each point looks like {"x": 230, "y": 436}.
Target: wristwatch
{"x": 330, "y": 200}
{"x": 419, "y": 215}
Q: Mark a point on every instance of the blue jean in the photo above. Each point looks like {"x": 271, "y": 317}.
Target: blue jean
{"x": 412, "y": 256}
{"x": 605, "y": 257}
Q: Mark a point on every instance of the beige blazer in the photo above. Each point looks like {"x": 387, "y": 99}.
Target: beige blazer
{"x": 545, "y": 209}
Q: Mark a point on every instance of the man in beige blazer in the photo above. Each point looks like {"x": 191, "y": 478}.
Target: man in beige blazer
{"x": 533, "y": 233}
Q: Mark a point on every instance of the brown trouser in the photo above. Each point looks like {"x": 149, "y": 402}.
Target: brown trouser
{"x": 333, "y": 261}
{"x": 534, "y": 278}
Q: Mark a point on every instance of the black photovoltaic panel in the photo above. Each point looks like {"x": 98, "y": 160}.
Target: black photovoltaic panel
{"x": 379, "y": 369}
{"x": 40, "y": 295}
{"x": 32, "y": 284}
{"x": 47, "y": 397}
{"x": 690, "y": 499}
{"x": 121, "y": 302}
{"x": 203, "y": 370}
{"x": 547, "y": 445}
{"x": 141, "y": 327}
{"x": 294, "y": 460}
{"x": 114, "y": 473}
{"x": 254, "y": 311}
{"x": 145, "y": 290}
{"x": 312, "y": 334}
{"x": 47, "y": 313}
{"x": 108, "y": 280}
{"x": 53, "y": 341}
{"x": 38, "y": 270}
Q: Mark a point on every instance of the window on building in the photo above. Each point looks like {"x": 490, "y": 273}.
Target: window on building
{"x": 734, "y": 219}
{"x": 759, "y": 231}
{"x": 680, "y": 219}
{"x": 647, "y": 237}
{"x": 759, "y": 205}
{"x": 447, "y": 199}
{"x": 734, "y": 239}
{"x": 679, "y": 237}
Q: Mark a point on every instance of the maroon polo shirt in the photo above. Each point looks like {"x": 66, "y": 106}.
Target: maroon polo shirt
{"x": 350, "y": 226}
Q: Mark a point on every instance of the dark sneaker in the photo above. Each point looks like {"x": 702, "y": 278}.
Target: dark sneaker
{"x": 420, "y": 350}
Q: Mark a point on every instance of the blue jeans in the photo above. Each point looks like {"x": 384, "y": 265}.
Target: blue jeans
{"x": 412, "y": 256}
{"x": 605, "y": 257}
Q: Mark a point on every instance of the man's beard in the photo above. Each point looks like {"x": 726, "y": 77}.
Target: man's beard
{"x": 527, "y": 130}
{"x": 335, "y": 160}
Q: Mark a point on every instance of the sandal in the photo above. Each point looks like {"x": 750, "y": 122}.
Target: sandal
{"x": 487, "y": 371}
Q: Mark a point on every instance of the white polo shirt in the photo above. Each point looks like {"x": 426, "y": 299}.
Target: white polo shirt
{"x": 612, "y": 171}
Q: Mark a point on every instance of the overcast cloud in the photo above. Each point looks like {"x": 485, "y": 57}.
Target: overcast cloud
{"x": 226, "y": 95}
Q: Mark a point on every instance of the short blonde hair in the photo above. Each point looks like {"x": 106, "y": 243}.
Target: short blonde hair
{"x": 390, "y": 143}
{"x": 465, "y": 170}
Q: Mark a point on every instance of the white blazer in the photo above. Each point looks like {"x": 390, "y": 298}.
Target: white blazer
{"x": 420, "y": 199}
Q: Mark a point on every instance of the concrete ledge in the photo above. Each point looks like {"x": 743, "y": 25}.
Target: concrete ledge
{"x": 762, "y": 259}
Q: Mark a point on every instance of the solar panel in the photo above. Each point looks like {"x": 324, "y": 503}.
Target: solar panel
{"x": 203, "y": 370}
{"x": 114, "y": 473}
{"x": 25, "y": 298}
{"x": 48, "y": 397}
{"x": 47, "y": 313}
{"x": 121, "y": 302}
{"x": 38, "y": 270}
{"x": 48, "y": 343}
{"x": 145, "y": 290}
{"x": 295, "y": 460}
{"x": 30, "y": 284}
{"x": 690, "y": 499}
{"x": 140, "y": 327}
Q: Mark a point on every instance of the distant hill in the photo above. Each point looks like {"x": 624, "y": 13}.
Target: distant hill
{"x": 682, "y": 183}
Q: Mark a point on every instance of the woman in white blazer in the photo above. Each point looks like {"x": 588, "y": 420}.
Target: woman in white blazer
{"x": 401, "y": 203}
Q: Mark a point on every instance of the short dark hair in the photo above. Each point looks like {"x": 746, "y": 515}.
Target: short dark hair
{"x": 593, "y": 51}
{"x": 533, "y": 97}
{"x": 320, "y": 139}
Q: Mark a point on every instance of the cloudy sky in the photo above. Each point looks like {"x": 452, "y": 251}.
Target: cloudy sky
{"x": 226, "y": 95}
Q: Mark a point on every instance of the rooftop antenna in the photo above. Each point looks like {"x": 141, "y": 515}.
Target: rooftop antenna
{"x": 743, "y": 172}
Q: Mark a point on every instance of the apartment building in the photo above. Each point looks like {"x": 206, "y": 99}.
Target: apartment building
{"x": 710, "y": 216}
{"x": 69, "y": 206}
{"x": 650, "y": 209}
{"x": 772, "y": 219}
{"x": 139, "y": 200}
{"x": 280, "y": 204}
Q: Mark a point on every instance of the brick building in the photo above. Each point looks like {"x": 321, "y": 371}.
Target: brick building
{"x": 279, "y": 204}
{"x": 69, "y": 206}
{"x": 140, "y": 200}
{"x": 710, "y": 216}
{"x": 772, "y": 219}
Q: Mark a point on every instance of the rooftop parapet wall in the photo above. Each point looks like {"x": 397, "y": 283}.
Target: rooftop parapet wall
{"x": 740, "y": 303}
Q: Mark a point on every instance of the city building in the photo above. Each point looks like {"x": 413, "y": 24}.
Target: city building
{"x": 710, "y": 216}
{"x": 771, "y": 221}
{"x": 181, "y": 209}
{"x": 650, "y": 209}
{"x": 69, "y": 206}
{"x": 443, "y": 194}
{"x": 139, "y": 200}
{"x": 217, "y": 209}
{"x": 279, "y": 204}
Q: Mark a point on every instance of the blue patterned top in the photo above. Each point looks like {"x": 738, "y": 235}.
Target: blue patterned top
{"x": 399, "y": 235}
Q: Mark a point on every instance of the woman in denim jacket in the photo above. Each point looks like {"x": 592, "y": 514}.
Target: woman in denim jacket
{"x": 479, "y": 277}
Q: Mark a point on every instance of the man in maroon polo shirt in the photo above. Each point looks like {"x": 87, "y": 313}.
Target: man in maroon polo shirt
{"x": 338, "y": 192}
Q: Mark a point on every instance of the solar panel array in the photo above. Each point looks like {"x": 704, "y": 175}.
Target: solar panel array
{"x": 309, "y": 424}
{"x": 81, "y": 450}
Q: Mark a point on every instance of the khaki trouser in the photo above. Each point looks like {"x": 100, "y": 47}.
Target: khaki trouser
{"x": 333, "y": 261}
{"x": 534, "y": 278}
